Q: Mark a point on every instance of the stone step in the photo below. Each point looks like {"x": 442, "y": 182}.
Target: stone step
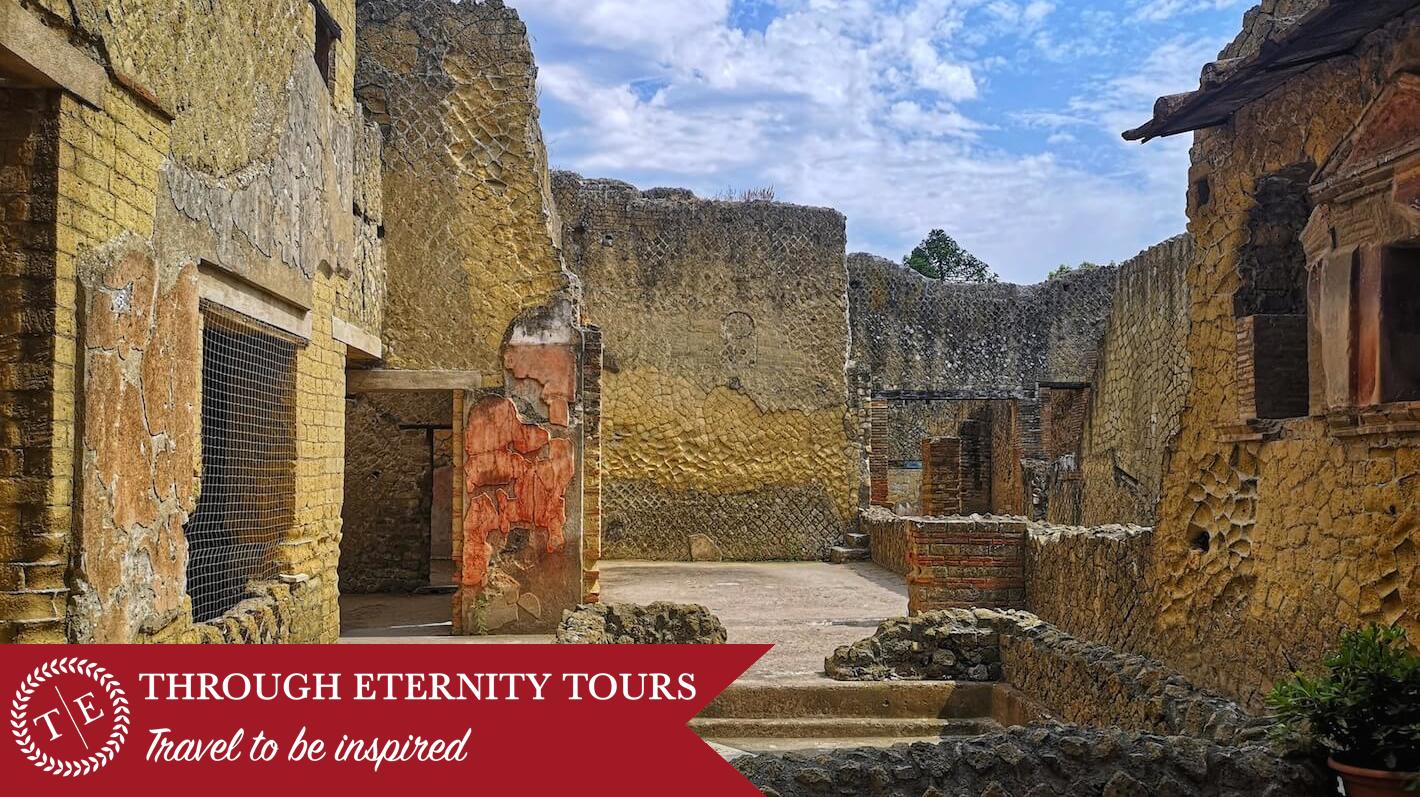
{"x": 825, "y": 698}
{"x": 841, "y": 727}
{"x": 840, "y": 555}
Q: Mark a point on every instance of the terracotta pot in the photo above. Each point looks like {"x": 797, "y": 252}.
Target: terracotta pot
{"x": 1374, "y": 782}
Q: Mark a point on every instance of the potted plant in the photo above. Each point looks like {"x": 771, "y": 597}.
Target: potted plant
{"x": 1363, "y": 713}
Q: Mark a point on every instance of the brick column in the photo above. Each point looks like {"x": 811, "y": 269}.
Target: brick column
{"x": 877, "y": 453}
{"x": 965, "y": 563}
{"x": 941, "y": 476}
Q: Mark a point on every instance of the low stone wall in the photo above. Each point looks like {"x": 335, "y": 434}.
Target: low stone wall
{"x": 941, "y": 646}
{"x": 272, "y": 613}
{"x": 1073, "y": 680}
{"x": 887, "y": 537}
{"x": 1036, "y": 762}
{"x": 964, "y": 562}
{"x": 1093, "y": 684}
{"x": 1090, "y": 582}
{"x": 628, "y": 624}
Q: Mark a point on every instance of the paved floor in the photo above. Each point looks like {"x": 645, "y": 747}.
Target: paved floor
{"x": 806, "y": 610}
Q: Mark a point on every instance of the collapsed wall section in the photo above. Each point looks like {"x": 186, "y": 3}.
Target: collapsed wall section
{"x": 724, "y": 327}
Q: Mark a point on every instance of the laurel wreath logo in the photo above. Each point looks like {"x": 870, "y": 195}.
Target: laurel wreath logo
{"x": 19, "y": 715}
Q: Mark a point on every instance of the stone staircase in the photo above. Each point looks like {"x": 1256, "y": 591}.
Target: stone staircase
{"x": 855, "y": 548}
{"x": 769, "y": 716}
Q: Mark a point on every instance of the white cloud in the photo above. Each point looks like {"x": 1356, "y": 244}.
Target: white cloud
{"x": 1160, "y": 10}
{"x": 869, "y": 106}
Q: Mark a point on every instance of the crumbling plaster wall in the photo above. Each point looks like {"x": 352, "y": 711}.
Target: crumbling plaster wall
{"x": 1305, "y": 532}
{"x": 1138, "y": 390}
{"x": 202, "y": 153}
{"x": 476, "y": 283}
{"x": 724, "y": 328}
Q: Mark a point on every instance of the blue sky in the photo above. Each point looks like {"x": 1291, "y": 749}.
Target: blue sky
{"x": 997, "y": 120}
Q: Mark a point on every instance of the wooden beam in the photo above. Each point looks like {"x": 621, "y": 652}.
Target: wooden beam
{"x": 376, "y": 380}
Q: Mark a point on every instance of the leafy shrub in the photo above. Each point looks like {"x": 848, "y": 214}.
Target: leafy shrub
{"x": 1365, "y": 711}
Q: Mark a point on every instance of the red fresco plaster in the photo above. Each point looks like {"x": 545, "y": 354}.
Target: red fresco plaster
{"x": 516, "y": 476}
{"x": 554, "y": 369}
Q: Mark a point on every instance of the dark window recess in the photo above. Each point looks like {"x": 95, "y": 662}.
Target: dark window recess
{"x": 1271, "y": 302}
{"x": 327, "y": 34}
{"x": 1202, "y": 193}
{"x": 247, "y": 502}
{"x": 1273, "y": 373}
{"x": 1400, "y": 325}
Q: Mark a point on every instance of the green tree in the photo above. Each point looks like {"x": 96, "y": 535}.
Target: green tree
{"x": 1065, "y": 268}
{"x": 940, "y": 257}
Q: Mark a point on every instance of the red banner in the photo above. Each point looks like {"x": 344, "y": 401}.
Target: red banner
{"x": 494, "y": 719}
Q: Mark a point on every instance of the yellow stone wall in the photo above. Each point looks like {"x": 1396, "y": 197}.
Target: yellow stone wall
{"x": 473, "y": 244}
{"x": 1306, "y": 531}
{"x": 218, "y": 146}
{"x": 724, "y": 393}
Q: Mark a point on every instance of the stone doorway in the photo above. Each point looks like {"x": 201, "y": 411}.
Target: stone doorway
{"x": 396, "y": 551}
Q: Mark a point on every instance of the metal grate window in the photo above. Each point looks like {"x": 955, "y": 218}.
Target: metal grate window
{"x": 247, "y": 502}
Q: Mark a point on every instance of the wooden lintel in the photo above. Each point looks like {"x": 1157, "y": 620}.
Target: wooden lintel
{"x": 376, "y": 380}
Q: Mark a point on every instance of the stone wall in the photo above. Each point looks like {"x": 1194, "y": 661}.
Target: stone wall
{"x": 938, "y": 351}
{"x": 724, "y": 326}
{"x": 1037, "y": 762}
{"x": 1079, "y": 682}
{"x": 1274, "y": 537}
{"x": 912, "y": 333}
{"x": 391, "y": 458}
{"x": 993, "y": 436}
{"x": 476, "y": 283}
{"x": 36, "y": 366}
{"x": 473, "y": 244}
{"x": 177, "y": 178}
{"x": 1136, "y": 401}
{"x": 888, "y": 535}
{"x": 1092, "y": 582}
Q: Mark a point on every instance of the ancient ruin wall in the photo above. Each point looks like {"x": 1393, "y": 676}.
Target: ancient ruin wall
{"x": 1268, "y": 547}
{"x": 476, "y": 283}
{"x": 473, "y": 244}
{"x": 35, "y": 325}
{"x": 911, "y": 333}
{"x": 724, "y": 328}
{"x": 392, "y": 457}
{"x": 1091, "y": 582}
{"x": 1137, "y": 394}
{"x": 191, "y": 161}
{"x": 921, "y": 340}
